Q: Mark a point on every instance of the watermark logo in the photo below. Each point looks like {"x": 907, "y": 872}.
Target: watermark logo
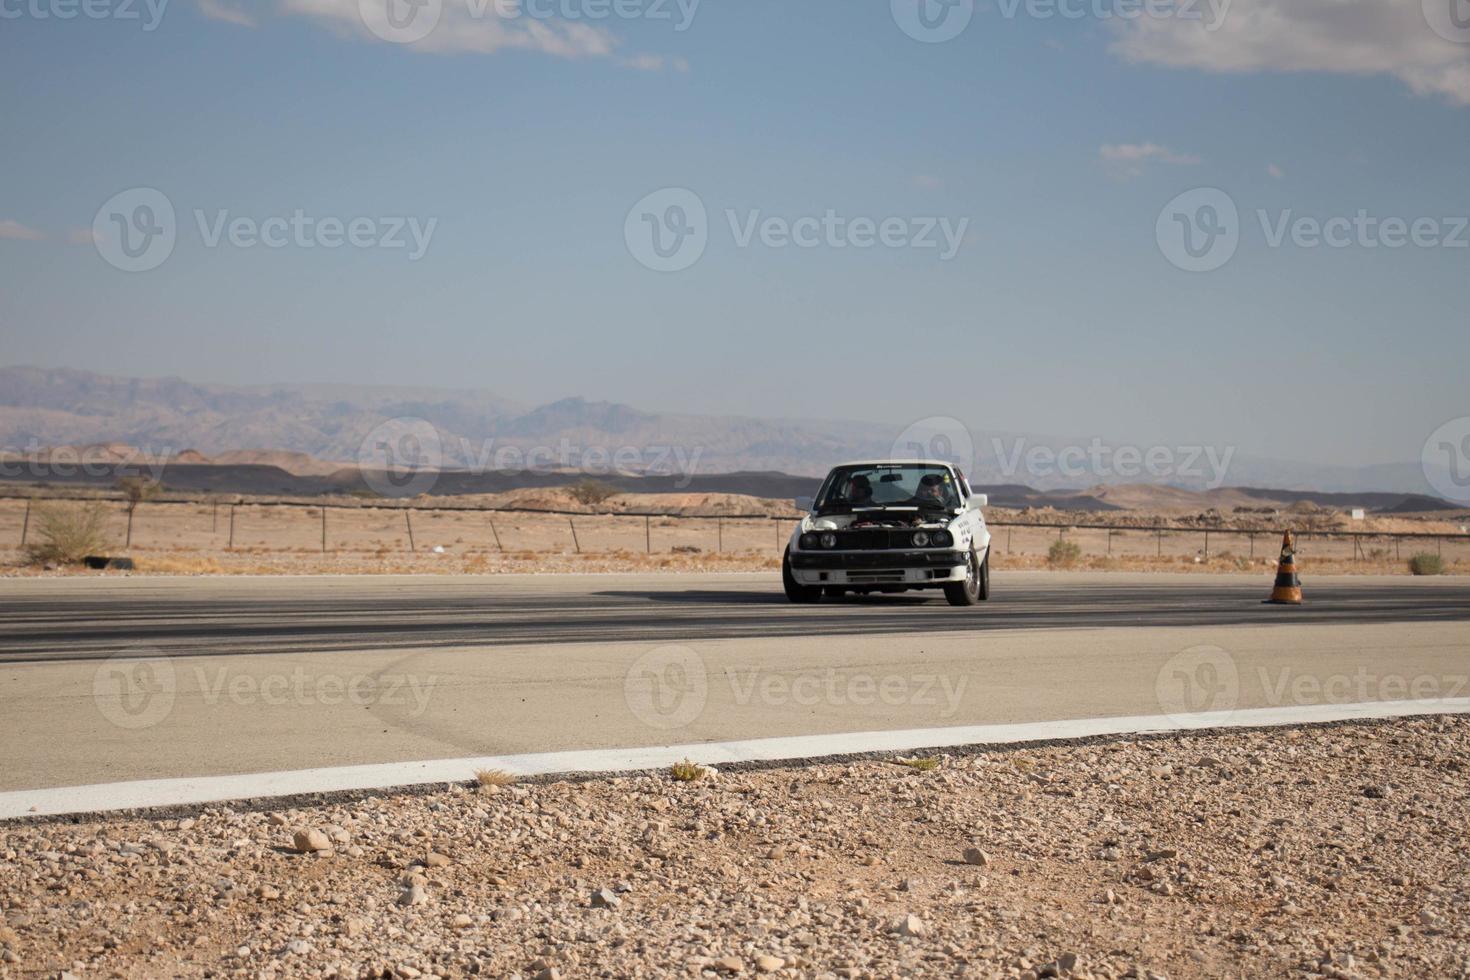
{"x": 401, "y": 457}
{"x": 401, "y": 21}
{"x": 1200, "y": 679}
{"x": 668, "y": 230}
{"x": 932, "y": 21}
{"x": 938, "y": 437}
{"x": 135, "y": 689}
{"x": 1450, "y": 19}
{"x": 148, "y": 13}
{"x": 667, "y": 687}
{"x": 1206, "y": 465}
{"x": 1199, "y": 230}
{"x": 136, "y": 229}
{"x": 1446, "y": 460}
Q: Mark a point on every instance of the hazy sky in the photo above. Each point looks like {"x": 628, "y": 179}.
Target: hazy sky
{"x": 519, "y": 147}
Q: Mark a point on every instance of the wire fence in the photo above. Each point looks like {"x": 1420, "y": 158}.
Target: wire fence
{"x": 222, "y": 525}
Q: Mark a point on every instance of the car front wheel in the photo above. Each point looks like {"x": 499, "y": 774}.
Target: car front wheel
{"x": 976, "y": 586}
{"x": 795, "y": 591}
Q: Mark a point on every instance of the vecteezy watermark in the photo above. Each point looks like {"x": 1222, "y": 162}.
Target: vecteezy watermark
{"x": 932, "y": 21}
{"x": 406, "y": 456}
{"x": 938, "y": 437}
{"x": 40, "y": 462}
{"x": 136, "y": 230}
{"x": 1446, "y": 460}
{"x": 829, "y": 688}
{"x": 668, "y": 231}
{"x": 401, "y": 457}
{"x": 935, "y": 21}
{"x": 147, "y": 13}
{"x": 138, "y": 688}
{"x": 409, "y": 21}
{"x": 1201, "y": 679}
{"x": 1097, "y": 460}
{"x": 135, "y": 689}
{"x": 1286, "y": 686}
{"x": 669, "y": 687}
{"x": 1207, "y": 680}
{"x": 1200, "y": 230}
{"x": 1450, "y": 19}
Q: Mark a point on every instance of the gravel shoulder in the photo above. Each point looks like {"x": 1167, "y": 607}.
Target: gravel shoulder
{"x": 1304, "y": 852}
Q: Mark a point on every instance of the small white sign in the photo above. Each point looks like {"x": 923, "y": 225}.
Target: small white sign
{"x": 1358, "y": 514}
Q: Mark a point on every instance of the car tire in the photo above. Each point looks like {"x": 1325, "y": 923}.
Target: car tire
{"x": 795, "y": 591}
{"x": 976, "y": 586}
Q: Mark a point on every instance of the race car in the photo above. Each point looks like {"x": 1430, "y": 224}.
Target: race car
{"x": 890, "y": 526}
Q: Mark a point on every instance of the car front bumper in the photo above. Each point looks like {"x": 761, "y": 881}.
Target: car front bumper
{"x": 852, "y": 568}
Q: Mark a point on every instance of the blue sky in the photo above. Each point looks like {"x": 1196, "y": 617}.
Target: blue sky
{"x": 1058, "y": 140}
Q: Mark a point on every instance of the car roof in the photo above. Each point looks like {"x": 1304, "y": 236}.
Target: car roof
{"x": 897, "y": 462}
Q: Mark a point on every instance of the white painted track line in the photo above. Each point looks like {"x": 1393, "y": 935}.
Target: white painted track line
{"x": 207, "y": 789}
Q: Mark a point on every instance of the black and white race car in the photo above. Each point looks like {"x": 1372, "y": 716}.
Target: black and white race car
{"x": 890, "y": 526}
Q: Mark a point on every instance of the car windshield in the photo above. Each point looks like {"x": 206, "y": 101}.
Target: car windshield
{"x": 853, "y": 487}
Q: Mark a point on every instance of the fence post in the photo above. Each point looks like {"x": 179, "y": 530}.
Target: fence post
{"x": 231, "y": 545}
{"x": 647, "y": 534}
{"x": 719, "y": 535}
{"x": 1253, "y": 544}
{"x": 498, "y": 546}
{"x": 129, "y": 542}
{"x": 25, "y": 524}
{"x": 1207, "y": 544}
{"x": 1160, "y": 532}
{"x": 214, "y": 518}
{"x": 1008, "y": 540}
{"x": 576, "y": 545}
{"x": 408, "y": 521}
{"x": 1110, "y": 542}
{"x": 324, "y": 529}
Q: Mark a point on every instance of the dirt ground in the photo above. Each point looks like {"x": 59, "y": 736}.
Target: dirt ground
{"x": 1318, "y": 852}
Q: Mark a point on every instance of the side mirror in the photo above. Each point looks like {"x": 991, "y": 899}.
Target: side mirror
{"x": 980, "y": 500}
{"x": 804, "y": 503}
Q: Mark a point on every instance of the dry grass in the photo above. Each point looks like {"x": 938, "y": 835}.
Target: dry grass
{"x": 487, "y": 779}
{"x": 924, "y": 764}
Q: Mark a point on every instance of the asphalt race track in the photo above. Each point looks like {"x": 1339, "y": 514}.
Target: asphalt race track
{"x": 105, "y": 680}
{"x": 210, "y": 617}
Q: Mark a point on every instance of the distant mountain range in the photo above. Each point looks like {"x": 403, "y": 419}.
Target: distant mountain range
{"x": 480, "y": 432}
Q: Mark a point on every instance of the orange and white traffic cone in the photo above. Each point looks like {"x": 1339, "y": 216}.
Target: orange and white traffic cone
{"x": 1288, "y": 588}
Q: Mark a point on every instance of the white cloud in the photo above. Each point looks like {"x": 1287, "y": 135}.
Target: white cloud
{"x": 470, "y": 28}
{"x": 1275, "y": 171}
{"x": 16, "y": 232}
{"x": 1352, "y": 37}
{"x": 221, "y": 10}
{"x": 1131, "y": 159}
{"x": 81, "y": 236}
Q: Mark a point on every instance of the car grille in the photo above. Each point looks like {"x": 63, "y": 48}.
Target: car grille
{"x": 874, "y": 539}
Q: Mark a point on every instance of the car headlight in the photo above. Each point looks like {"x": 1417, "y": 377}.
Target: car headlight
{"x": 942, "y": 539}
{"x": 921, "y": 539}
{"x": 829, "y": 540}
{"x": 808, "y": 541}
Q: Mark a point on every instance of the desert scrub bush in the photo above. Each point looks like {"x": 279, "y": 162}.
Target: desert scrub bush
{"x": 69, "y": 532}
{"x": 1063, "y": 553}
{"x": 590, "y": 492}
{"x": 1426, "y": 565}
{"x": 686, "y": 771}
